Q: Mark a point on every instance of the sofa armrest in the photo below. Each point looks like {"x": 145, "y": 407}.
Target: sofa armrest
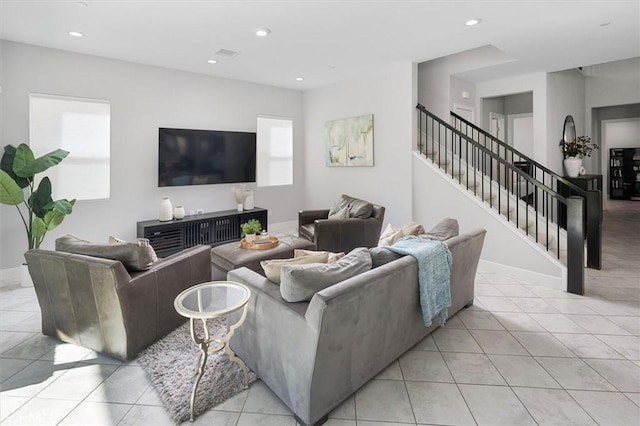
{"x": 346, "y": 234}
{"x": 308, "y": 216}
{"x": 275, "y": 340}
{"x": 465, "y": 250}
{"x": 147, "y": 299}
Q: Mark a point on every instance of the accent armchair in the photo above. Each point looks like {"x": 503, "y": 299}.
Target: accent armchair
{"x": 350, "y": 223}
{"x": 96, "y": 303}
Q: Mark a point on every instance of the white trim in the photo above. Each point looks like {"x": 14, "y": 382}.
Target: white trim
{"x": 471, "y": 110}
{"x": 557, "y": 283}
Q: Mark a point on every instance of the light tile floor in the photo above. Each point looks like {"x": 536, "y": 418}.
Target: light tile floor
{"x": 522, "y": 355}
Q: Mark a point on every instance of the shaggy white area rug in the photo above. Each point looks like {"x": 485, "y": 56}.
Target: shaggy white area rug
{"x": 170, "y": 364}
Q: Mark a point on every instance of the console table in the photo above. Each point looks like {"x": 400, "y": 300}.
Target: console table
{"x": 213, "y": 229}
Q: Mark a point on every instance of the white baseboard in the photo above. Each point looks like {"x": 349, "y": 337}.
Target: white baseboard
{"x": 557, "y": 283}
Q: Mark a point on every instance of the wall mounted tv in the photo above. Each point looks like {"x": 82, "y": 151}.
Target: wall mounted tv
{"x": 202, "y": 157}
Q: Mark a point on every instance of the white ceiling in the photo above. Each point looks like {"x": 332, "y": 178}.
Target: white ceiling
{"x": 329, "y": 40}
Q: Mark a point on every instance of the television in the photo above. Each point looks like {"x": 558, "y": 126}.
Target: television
{"x": 203, "y": 157}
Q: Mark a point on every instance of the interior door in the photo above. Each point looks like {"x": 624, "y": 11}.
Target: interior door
{"x": 497, "y": 129}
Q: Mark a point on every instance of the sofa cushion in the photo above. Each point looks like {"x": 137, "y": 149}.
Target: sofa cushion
{"x": 135, "y": 255}
{"x": 447, "y": 228}
{"x": 381, "y": 256}
{"x": 357, "y": 208}
{"x": 332, "y": 257}
{"x": 307, "y": 231}
{"x": 272, "y": 268}
{"x": 300, "y": 282}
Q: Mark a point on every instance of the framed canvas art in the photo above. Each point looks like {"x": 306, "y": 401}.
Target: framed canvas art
{"x": 350, "y": 141}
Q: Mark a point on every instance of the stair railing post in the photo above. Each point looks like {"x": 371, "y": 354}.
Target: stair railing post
{"x": 594, "y": 230}
{"x": 575, "y": 245}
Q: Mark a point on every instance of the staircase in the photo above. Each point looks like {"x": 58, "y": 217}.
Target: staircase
{"x": 522, "y": 192}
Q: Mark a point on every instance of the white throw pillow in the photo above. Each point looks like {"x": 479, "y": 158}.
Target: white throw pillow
{"x": 332, "y": 256}
{"x": 390, "y": 236}
{"x": 272, "y": 268}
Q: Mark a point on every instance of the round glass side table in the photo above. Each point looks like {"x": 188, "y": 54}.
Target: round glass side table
{"x": 213, "y": 300}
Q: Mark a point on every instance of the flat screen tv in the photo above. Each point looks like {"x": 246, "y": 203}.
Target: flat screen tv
{"x": 203, "y": 157}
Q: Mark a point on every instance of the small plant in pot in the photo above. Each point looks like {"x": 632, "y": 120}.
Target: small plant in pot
{"x": 38, "y": 211}
{"x": 250, "y": 229}
{"x": 574, "y": 151}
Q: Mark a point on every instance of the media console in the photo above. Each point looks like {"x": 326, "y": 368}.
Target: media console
{"x": 213, "y": 229}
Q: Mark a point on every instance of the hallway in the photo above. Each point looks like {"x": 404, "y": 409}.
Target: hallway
{"x": 619, "y": 278}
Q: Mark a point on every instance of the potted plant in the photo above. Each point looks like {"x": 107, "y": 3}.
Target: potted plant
{"x": 250, "y": 229}
{"x": 38, "y": 211}
{"x": 574, "y": 151}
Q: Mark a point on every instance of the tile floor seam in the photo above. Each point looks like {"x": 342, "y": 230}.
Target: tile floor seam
{"x": 404, "y": 382}
{"x": 623, "y": 355}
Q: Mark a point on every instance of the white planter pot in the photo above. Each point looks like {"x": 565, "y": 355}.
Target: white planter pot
{"x": 572, "y": 166}
{"x": 249, "y": 237}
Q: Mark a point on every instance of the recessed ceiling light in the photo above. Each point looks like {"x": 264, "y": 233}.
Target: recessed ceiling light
{"x": 263, "y": 32}
{"x": 299, "y": 79}
{"x": 75, "y": 34}
{"x": 212, "y": 61}
{"x": 472, "y": 22}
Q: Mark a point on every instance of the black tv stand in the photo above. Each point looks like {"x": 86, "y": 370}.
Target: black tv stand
{"x": 213, "y": 229}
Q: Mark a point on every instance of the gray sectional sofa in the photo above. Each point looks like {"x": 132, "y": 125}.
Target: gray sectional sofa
{"x": 315, "y": 354}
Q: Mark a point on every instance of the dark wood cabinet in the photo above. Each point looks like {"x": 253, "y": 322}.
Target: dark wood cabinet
{"x": 213, "y": 229}
{"x": 624, "y": 174}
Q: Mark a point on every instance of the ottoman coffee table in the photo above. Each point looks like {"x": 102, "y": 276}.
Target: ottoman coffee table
{"x": 230, "y": 256}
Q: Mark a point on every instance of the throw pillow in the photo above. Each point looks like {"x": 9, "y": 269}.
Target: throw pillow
{"x": 391, "y": 234}
{"x": 332, "y": 256}
{"x": 340, "y": 214}
{"x": 135, "y": 256}
{"x": 360, "y": 209}
{"x": 300, "y": 282}
{"x": 272, "y": 268}
{"x": 447, "y": 228}
{"x": 341, "y": 203}
{"x": 115, "y": 240}
{"x": 412, "y": 228}
{"x": 381, "y": 256}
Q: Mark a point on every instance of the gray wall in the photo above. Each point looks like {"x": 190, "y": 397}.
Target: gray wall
{"x": 142, "y": 98}
{"x": 520, "y": 103}
{"x": 565, "y": 96}
{"x": 389, "y": 95}
{"x": 613, "y": 84}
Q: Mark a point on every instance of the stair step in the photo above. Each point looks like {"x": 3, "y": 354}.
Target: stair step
{"x": 526, "y": 222}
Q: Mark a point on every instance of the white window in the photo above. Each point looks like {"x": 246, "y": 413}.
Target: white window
{"x": 275, "y": 151}
{"x": 82, "y": 127}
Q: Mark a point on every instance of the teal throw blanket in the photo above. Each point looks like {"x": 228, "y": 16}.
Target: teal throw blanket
{"x": 434, "y": 274}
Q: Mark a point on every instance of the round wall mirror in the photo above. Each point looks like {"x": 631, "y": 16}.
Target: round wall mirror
{"x": 569, "y": 130}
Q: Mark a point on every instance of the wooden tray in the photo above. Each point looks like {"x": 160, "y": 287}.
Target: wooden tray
{"x": 264, "y": 246}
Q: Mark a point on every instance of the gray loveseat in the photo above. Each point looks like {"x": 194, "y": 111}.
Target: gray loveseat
{"x": 314, "y": 355}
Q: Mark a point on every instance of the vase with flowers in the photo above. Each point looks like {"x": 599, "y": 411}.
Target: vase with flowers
{"x": 574, "y": 151}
